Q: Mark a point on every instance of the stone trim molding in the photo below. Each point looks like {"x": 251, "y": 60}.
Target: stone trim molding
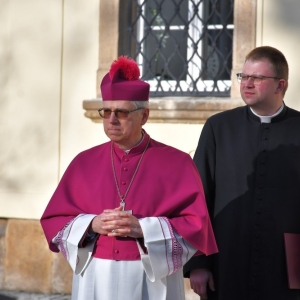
{"x": 173, "y": 110}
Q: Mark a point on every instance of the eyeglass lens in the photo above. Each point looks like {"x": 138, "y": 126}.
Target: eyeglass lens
{"x": 119, "y": 113}
{"x": 242, "y": 78}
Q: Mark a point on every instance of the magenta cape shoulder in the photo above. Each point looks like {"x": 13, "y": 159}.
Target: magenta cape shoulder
{"x": 167, "y": 184}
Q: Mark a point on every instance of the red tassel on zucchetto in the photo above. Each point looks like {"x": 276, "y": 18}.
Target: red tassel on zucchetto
{"x": 129, "y": 69}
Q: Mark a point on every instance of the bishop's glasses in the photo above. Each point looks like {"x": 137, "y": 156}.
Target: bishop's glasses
{"x": 119, "y": 112}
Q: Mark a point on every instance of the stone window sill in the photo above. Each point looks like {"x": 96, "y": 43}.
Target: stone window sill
{"x": 173, "y": 110}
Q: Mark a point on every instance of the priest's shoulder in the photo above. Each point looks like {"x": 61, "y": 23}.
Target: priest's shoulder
{"x": 231, "y": 114}
{"x": 293, "y": 112}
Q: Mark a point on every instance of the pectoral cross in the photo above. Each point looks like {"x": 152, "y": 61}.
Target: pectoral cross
{"x": 122, "y": 203}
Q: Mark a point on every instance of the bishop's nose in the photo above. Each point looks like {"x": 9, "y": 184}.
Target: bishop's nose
{"x": 112, "y": 118}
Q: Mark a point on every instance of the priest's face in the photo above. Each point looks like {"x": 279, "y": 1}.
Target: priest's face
{"x": 125, "y": 131}
{"x": 264, "y": 97}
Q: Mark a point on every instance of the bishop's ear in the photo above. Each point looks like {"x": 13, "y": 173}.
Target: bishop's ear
{"x": 145, "y": 116}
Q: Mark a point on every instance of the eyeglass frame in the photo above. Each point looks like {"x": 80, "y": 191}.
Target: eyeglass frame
{"x": 116, "y": 111}
{"x": 253, "y": 77}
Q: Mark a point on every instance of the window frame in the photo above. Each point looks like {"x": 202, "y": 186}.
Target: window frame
{"x": 147, "y": 36}
{"x": 176, "y": 109}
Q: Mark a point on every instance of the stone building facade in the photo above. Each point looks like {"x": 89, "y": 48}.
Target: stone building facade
{"x": 54, "y": 56}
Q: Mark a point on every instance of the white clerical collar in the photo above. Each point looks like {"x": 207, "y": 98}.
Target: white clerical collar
{"x": 267, "y": 119}
{"x": 127, "y": 151}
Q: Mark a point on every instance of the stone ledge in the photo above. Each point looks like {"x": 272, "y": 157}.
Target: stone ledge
{"x": 16, "y": 295}
{"x": 173, "y": 110}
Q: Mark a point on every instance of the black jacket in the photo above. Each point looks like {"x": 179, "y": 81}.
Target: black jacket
{"x": 251, "y": 177}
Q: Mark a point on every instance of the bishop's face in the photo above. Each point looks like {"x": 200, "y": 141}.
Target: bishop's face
{"x": 125, "y": 132}
{"x": 266, "y": 98}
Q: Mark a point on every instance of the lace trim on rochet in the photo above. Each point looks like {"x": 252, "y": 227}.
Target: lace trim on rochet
{"x": 177, "y": 250}
{"x": 61, "y": 238}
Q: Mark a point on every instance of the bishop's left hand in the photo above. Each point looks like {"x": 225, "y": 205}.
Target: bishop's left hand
{"x": 121, "y": 223}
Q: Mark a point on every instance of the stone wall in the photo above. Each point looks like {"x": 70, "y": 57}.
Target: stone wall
{"x": 26, "y": 263}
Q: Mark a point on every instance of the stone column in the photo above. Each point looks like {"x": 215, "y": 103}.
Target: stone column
{"x": 108, "y": 37}
{"x": 244, "y": 37}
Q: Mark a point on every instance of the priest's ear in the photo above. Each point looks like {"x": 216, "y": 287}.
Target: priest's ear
{"x": 281, "y": 86}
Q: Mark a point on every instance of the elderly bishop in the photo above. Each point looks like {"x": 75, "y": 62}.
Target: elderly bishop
{"x": 129, "y": 213}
